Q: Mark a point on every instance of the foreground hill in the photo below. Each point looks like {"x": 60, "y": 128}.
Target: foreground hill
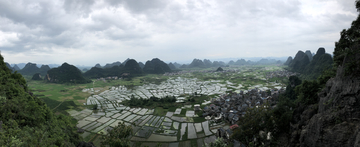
{"x": 26, "y": 120}
{"x": 334, "y": 119}
{"x": 66, "y": 73}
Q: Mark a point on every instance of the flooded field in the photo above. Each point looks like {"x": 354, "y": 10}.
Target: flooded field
{"x": 176, "y": 127}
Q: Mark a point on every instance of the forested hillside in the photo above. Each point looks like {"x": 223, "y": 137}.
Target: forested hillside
{"x": 26, "y": 120}
{"x": 66, "y": 73}
{"x": 322, "y": 111}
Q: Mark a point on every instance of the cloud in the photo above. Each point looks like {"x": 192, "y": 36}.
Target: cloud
{"x": 113, "y": 30}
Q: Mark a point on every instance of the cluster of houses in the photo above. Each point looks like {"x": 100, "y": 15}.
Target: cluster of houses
{"x": 231, "y": 107}
{"x": 108, "y": 78}
{"x": 200, "y": 71}
{"x": 280, "y": 73}
{"x": 186, "y": 72}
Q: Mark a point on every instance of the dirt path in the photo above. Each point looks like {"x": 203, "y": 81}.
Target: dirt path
{"x": 58, "y": 105}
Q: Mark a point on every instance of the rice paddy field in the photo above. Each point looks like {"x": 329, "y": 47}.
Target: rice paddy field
{"x": 175, "y": 126}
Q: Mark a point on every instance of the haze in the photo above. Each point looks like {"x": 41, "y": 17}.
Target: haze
{"x": 86, "y": 32}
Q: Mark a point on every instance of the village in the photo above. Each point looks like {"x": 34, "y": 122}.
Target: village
{"x": 222, "y": 110}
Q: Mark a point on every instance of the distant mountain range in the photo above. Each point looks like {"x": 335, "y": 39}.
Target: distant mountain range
{"x": 132, "y": 67}
{"x": 22, "y": 65}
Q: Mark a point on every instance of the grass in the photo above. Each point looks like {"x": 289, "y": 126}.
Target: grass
{"x": 50, "y": 102}
{"x": 91, "y": 136}
{"x": 172, "y": 109}
{"x": 160, "y": 111}
{"x": 199, "y": 119}
{"x": 183, "y": 112}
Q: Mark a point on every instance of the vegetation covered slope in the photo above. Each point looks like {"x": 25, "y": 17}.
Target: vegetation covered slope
{"x": 156, "y": 66}
{"x": 197, "y": 63}
{"x": 132, "y": 67}
{"x": 299, "y": 63}
{"x": 321, "y": 112}
{"x": 26, "y": 120}
{"x": 321, "y": 61}
{"x": 95, "y": 72}
{"x": 66, "y": 73}
{"x": 112, "y": 64}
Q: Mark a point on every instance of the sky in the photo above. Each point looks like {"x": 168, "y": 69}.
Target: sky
{"x": 86, "y": 32}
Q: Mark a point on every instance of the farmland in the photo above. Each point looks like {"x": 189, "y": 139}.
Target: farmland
{"x": 174, "y": 124}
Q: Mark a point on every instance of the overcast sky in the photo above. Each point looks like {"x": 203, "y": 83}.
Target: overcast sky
{"x": 86, "y": 32}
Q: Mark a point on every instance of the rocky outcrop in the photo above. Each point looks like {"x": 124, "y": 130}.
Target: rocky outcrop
{"x": 335, "y": 120}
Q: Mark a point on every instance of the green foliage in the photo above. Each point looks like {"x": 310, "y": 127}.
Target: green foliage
{"x": 26, "y": 120}
{"x": 254, "y": 121}
{"x": 282, "y": 115}
{"x": 118, "y": 136}
{"x": 264, "y": 119}
{"x": 326, "y": 75}
{"x": 219, "y": 142}
{"x": 307, "y": 92}
{"x": 352, "y": 61}
{"x": 290, "y": 88}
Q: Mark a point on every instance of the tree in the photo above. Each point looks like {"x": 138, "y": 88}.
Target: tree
{"x": 219, "y": 142}
{"x": 25, "y": 120}
{"x": 290, "y": 89}
{"x": 348, "y": 38}
{"x": 256, "y": 119}
{"x": 118, "y": 136}
{"x": 307, "y": 92}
